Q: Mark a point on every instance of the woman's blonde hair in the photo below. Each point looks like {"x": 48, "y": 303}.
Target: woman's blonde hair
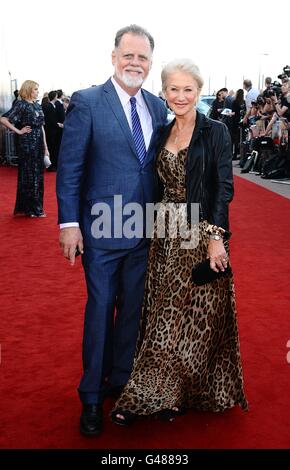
{"x": 25, "y": 91}
{"x": 181, "y": 65}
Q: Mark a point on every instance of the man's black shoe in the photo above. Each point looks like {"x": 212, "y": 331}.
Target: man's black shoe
{"x": 91, "y": 422}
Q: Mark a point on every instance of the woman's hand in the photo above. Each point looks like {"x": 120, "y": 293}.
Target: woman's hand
{"x": 217, "y": 254}
{"x": 25, "y": 130}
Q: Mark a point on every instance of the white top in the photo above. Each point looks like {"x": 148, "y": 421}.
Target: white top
{"x": 251, "y": 96}
{"x": 145, "y": 120}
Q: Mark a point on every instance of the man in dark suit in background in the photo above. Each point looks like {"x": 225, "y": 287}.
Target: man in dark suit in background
{"x": 51, "y": 128}
{"x": 59, "y": 106}
{"x": 60, "y": 113}
{"x": 107, "y": 150}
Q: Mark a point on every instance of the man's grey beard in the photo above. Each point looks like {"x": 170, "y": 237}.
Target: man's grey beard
{"x": 130, "y": 82}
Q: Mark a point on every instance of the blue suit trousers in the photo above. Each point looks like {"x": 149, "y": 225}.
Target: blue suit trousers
{"x": 115, "y": 283}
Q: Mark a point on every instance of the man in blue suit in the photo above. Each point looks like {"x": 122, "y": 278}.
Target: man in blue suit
{"x": 108, "y": 148}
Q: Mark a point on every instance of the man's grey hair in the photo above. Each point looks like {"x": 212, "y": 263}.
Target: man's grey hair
{"x": 133, "y": 29}
{"x": 181, "y": 65}
{"x": 247, "y": 83}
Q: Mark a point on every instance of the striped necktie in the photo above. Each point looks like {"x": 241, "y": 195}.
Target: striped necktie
{"x": 137, "y": 132}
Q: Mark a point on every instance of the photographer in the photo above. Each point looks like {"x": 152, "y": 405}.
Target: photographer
{"x": 266, "y": 108}
{"x": 268, "y": 83}
{"x": 282, "y": 106}
{"x": 252, "y": 115}
{"x": 282, "y": 110}
{"x": 255, "y": 122}
{"x": 217, "y": 106}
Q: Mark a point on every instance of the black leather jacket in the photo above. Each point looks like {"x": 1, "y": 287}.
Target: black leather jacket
{"x": 209, "y": 176}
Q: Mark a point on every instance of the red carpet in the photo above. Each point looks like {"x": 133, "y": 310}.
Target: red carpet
{"x": 41, "y": 296}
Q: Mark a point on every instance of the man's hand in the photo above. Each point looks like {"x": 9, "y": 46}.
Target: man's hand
{"x": 69, "y": 239}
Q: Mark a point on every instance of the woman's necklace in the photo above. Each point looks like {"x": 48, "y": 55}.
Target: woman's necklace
{"x": 184, "y": 131}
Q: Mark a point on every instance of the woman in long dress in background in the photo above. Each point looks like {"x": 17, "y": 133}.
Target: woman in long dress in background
{"x": 26, "y": 119}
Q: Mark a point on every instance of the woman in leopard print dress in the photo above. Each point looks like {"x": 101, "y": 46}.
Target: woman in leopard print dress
{"x": 188, "y": 353}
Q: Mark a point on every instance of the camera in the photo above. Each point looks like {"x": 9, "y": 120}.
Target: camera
{"x": 273, "y": 89}
{"x": 260, "y": 100}
{"x": 286, "y": 75}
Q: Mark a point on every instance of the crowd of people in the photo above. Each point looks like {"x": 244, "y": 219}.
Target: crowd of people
{"x": 258, "y": 109}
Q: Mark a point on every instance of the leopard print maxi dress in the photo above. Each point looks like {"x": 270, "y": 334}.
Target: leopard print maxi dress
{"x": 188, "y": 351}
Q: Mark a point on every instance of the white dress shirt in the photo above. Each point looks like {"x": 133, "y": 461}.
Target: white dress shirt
{"x": 145, "y": 120}
{"x": 142, "y": 110}
{"x": 251, "y": 96}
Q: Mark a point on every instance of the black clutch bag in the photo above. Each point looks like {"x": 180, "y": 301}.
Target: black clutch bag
{"x": 203, "y": 274}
